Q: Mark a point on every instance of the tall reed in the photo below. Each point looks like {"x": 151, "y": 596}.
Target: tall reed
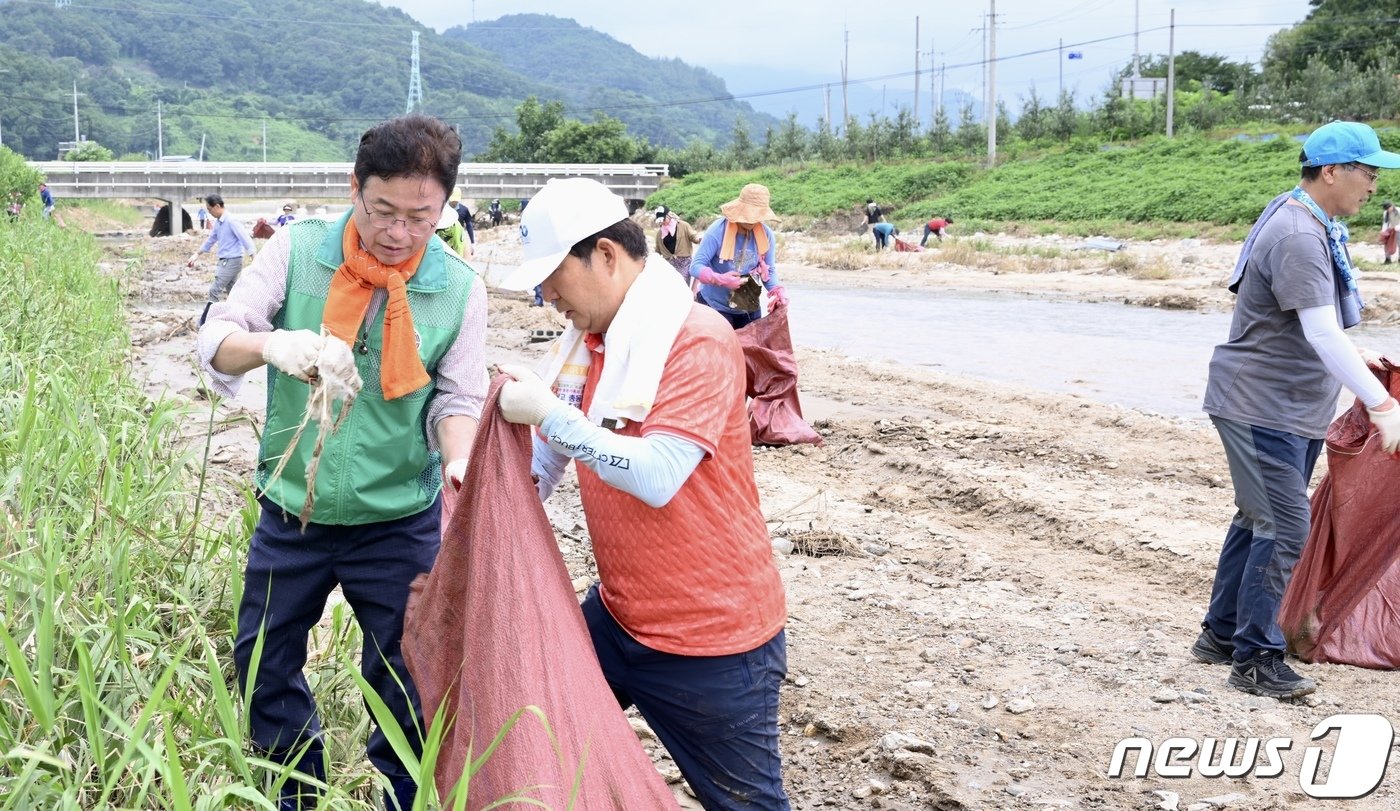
{"x": 117, "y": 594}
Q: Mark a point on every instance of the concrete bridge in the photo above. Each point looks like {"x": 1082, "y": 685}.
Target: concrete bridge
{"x": 178, "y": 182}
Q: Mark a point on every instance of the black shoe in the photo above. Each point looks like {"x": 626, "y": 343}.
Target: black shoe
{"x": 1212, "y": 649}
{"x": 1266, "y": 674}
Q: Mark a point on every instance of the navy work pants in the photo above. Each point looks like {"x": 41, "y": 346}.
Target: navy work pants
{"x": 288, "y": 579}
{"x": 1270, "y": 471}
{"x": 716, "y": 715}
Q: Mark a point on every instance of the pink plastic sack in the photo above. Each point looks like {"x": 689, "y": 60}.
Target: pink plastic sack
{"x": 496, "y": 627}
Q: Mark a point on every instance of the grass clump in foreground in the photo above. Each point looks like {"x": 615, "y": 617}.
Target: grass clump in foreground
{"x": 117, "y": 592}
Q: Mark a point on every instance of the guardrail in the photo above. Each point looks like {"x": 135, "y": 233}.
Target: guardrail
{"x": 191, "y": 179}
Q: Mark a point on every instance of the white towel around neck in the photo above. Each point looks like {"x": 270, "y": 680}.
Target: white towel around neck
{"x": 637, "y": 344}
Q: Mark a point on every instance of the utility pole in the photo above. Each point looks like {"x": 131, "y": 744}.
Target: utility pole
{"x": 932, "y": 82}
{"x": 160, "y": 133}
{"x": 1062, "y": 70}
{"x": 942, "y": 83}
{"x": 845, "y": 74}
{"x": 264, "y": 139}
{"x": 916, "y": 70}
{"x": 992, "y": 85}
{"x": 1171, "y": 73}
{"x": 982, "y": 80}
{"x": 828, "y": 106}
{"x": 202, "y": 136}
{"x": 76, "y": 137}
{"x": 1137, "y": 56}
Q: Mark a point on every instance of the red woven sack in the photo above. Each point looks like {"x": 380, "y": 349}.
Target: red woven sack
{"x": 495, "y": 627}
{"x": 1340, "y": 604}
{"x": 775, "y": 415}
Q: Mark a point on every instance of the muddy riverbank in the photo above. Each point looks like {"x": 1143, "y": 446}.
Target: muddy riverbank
{"x": 987, "y": 591}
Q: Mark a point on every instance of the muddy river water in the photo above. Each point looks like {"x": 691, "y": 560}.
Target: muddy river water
{"x": 1137, "y": 357}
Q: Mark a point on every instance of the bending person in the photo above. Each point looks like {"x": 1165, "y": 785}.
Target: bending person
{"x": 736, "y": 259}
{"x": 688, "y": 619}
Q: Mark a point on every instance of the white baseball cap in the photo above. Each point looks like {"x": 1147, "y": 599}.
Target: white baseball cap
{"x": 565, "y": 212}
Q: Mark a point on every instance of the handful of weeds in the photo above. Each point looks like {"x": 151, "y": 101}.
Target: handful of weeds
{"x": 334, "y": 378}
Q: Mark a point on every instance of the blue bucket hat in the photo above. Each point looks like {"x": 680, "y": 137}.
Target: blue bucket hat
{"x": 1347, "y": 142}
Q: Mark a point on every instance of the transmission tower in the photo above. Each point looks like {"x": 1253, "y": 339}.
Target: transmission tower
{"x": 415, "y": 80}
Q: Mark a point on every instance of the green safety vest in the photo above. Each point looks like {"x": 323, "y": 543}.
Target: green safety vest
{"x": 376, "y": 466}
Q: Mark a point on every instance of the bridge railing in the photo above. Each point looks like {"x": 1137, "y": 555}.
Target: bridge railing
{"x": 185, "y": 180}
{"x": 212, "y": 167}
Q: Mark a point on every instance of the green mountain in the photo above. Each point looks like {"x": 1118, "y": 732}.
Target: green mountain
{"x": 315, "y": 73}
{"x": 589, "y": 70}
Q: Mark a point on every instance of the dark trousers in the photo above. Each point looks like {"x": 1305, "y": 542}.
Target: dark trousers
{"x": 1270, "y": 471}
{"x": 716, "y": 715}
{"x": 288, "y": 579}
{"x": 927, "y": 232}
{"x": 740, "y": 320}
{"x": 882, "y": 240}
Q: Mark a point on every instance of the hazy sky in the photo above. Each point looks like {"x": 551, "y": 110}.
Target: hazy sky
{"x": 777, "y": 44}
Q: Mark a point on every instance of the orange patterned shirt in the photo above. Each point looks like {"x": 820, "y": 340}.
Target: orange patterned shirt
{"x": 695, "y": 577}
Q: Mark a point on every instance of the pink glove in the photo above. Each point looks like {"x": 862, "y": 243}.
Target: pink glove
{"x": 729, "y": 281}
{"x": 777, "y": 297}
{"x": 762, "y": 270}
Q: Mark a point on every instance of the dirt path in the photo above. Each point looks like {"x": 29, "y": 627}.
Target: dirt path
{"x": 994, "y": 594}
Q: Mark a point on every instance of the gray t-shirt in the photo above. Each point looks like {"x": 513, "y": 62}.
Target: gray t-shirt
{"x": 1267, "y": 374}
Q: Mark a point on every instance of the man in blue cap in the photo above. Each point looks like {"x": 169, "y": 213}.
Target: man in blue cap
{"x": 1272, "y": 391}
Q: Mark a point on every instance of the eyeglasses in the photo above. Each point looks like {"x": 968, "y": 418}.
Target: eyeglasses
{"x": 415, "y": 226}
{"x": 1370, "y": 174}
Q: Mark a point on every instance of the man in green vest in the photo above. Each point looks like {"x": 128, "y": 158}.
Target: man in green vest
{"x": 371, "y": 292}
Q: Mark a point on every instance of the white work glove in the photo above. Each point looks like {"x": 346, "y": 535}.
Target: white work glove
{"x": 335, "y": 366}
{"x": 1387, "y": 423}
{"x": 456, "y": 473}
{"x": 525, "y": 399}
{"x": 1373, "y": 359}
{"x": 294, "y": 352}
{"x": 194, "y": 256}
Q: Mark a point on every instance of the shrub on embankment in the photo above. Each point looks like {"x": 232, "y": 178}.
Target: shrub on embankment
{"x": 1189, "y": 179}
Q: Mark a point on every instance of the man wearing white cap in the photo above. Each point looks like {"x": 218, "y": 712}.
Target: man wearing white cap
{"x": 646, "y": 390}
{"x": 1272, "y": 391}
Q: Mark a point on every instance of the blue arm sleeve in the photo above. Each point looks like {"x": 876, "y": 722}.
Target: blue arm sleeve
{"x": 705, "y": 254}
{"x": 213, "y": 235}
{"x": 651, "y": 468}
{"x": 771, "y": 258}
{"x": 546, "y": 465}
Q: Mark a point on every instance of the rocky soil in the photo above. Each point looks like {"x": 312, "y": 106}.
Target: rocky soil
{"x": 984, "y": 598}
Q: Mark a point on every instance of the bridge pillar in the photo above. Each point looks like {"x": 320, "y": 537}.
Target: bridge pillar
{"x": 172, "y": 218}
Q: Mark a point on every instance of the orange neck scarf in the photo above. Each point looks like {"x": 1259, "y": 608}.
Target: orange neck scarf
{"x": 400, "y": 370}
{"x": 731, "y": 233}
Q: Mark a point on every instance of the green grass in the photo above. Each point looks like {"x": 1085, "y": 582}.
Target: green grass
{"x": 118, "y": 583}
{"x": 1190, "y": 186}
{"x": 97, "y": 215}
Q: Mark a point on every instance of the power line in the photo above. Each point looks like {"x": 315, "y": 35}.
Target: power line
{"x": 178, "y": 110}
